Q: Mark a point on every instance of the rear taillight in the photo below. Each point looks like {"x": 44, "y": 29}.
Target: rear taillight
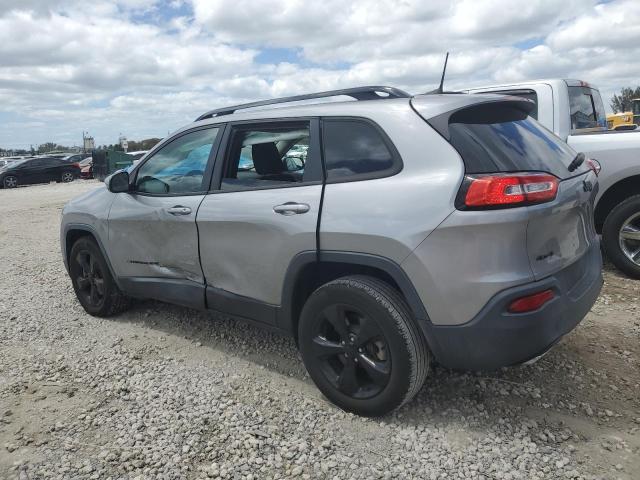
{"x": 531, "y": 302}
{"x": 76, "y": 164}
{"x": 594, "y": 165}
{"x": 506, "y": 190}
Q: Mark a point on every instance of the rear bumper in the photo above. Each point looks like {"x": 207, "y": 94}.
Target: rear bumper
{"x": 495, "y": 338}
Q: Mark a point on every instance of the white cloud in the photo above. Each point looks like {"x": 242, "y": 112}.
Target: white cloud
{"x": 143, "y": 67}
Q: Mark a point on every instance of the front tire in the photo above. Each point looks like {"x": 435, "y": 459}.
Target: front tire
{"x": 10, "y": 181}
{"x": 621, "y": 236}
{"x": 361, "y": 346}
{"x": 92, "y": 281}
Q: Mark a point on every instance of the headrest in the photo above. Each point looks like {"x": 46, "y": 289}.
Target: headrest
{"x": 266, "y": 158}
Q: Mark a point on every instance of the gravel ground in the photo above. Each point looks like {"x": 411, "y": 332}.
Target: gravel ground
{"x": 165, "y": 392}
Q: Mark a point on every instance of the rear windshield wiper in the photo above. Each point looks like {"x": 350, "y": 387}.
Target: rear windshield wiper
{"x": 576, "y": 162}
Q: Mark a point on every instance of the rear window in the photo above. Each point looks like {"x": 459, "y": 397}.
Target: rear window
{"x": 500, "y": 138}
{"x": 587, "y": 110}
{"x": 523, "y": 93}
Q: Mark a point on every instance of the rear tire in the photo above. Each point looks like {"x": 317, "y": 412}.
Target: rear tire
{"x": 361, "y": 346}
{"x": 67, "y": 177}
{"x": 621, "y": 227}
{"x": 10, "y": 181}
{"x": 92, "y": 280}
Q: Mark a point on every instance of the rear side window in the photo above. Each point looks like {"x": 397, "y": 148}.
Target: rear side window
{"x": 500, "y": 138}
{"x": 587, "y": 110}
{"x": 357, "y": 150}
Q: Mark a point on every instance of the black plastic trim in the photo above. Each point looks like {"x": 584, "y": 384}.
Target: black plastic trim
{"x": 240, "y": 306}
{"x": 495, "y": 338}
{"x": 285, "y": 314}
{"x": 94, "y": 233}
{"x": 176, "y": 291}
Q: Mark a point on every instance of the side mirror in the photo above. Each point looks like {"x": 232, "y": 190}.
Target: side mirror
{"x": 118, "y": 182}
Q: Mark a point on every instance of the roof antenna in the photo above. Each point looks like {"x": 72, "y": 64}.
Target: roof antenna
{"x": 440, "y": 88}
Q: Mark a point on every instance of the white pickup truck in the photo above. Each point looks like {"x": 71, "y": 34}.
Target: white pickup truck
{"x": 574, "y": 111}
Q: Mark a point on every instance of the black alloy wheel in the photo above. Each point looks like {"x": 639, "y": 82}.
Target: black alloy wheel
{"x": 361, "y": 345}
{"x": 10, "y": 181}
{"x": 67, "y": 177}
{"x": 92, "y": 281}
{"x": 89, "y": 278}
{"x": 352, "y": 351}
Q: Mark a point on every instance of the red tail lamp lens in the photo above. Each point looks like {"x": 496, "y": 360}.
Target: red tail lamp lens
{"x": 510, "y": 189}
{"x": 531, "y": 302}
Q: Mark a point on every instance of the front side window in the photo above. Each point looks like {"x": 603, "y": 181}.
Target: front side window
{"x": 354, "y": 149}
{"x": 587, "y": 110}
{"x": 178, "y": 167}
{"x": 269, "y": 156}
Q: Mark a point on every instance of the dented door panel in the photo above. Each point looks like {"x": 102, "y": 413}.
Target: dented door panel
{"x": 145, "y": 240}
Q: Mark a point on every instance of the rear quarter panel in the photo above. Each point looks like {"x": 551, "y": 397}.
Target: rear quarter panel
{"x": 390, "y": 216}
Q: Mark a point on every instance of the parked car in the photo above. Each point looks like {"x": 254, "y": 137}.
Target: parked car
{"x": 137, "y": 155}
{"x": 77, "y": 158}
{"x": 6, "y": 161}
{"x": 86, "y": 168}
{"x": 446, "y": 227}
{"x": 574, "y": 111}
{"x": 38, "y": 170}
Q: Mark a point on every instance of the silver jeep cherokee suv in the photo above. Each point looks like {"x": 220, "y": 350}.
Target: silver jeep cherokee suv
{"x": 380, "y": 233}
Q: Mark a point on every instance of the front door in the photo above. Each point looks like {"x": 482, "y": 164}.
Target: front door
{"x": 153, "y": 238}
{"x": 262, "y": 212}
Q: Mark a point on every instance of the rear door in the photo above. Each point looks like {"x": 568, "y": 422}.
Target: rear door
{"x": 53, "y": 169}
{"x": 153, "y": 238}
{"x": 263, "y": 210}
{"x": 33, "y": 171}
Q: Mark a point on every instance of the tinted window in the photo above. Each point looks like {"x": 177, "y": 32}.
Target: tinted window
{"x": 587, "y": 110}
{"x": 354, "y": 148}
{"x": 266, "y": 156}
{"x": 38, "y": 162}
{"x": 179, "y": 166}
{"x": 500, "y": 138}
{"x": 528, "y": 94}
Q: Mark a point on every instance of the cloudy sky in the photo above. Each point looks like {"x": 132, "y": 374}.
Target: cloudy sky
{"x": 146, "y": 67}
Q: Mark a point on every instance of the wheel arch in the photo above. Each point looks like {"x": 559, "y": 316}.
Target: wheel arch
{"x": 308, "y": 270}
{"x": 74, "y": 232}
{"x": 615, "y": 194}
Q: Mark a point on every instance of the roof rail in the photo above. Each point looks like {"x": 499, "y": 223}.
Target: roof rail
{"x": 359, "y": 93}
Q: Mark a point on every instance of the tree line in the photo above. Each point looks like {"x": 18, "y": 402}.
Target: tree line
{"x": 622, "y": 102}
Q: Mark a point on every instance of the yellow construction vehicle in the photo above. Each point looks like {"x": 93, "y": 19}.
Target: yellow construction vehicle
{"x": 625, "y": 120}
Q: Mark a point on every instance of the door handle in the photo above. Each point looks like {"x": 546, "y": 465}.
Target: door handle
{"x": 179, "y": 210}
{"x": 291, "y": 208}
